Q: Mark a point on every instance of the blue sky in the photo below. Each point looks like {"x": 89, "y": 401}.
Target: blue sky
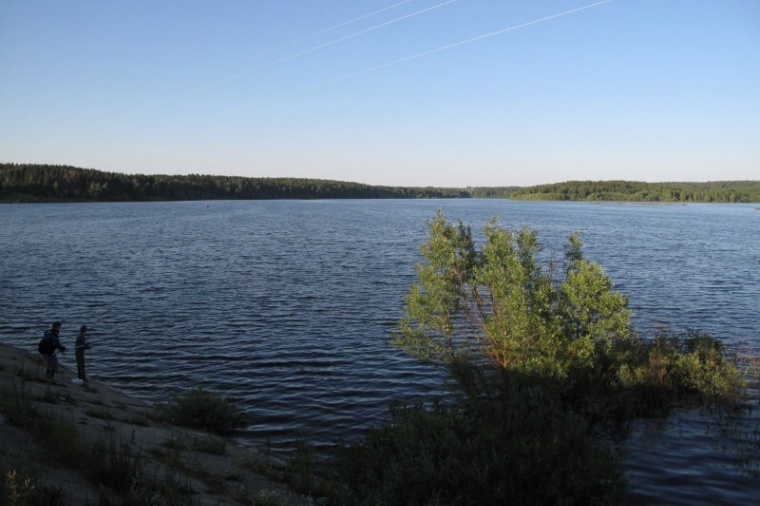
{"x": 418, "y": 92}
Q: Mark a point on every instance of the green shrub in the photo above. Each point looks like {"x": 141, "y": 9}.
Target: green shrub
{"x": 210, "y": 445}
{"x": 115, "y": 466}
{"x": 499, "y": 303}
{"x": 498, "y": 308}
{"x": 299, "y": 472}
{"x": 702, "y": 367}
{"x": 200, "y": 409}
{"x": 671, "y": 369}
{"x": 524, "y": 450}
{"x": 544, "y": 357}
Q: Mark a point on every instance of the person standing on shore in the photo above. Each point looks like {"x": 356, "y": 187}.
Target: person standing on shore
{"x": 80, "y": 346}
{"x": 49, "y": 343}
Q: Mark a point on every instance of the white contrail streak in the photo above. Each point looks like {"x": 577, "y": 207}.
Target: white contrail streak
{"x": 326, "y": 44}
{"x": 445, "y": 48}
{"x": 326, "y": 30}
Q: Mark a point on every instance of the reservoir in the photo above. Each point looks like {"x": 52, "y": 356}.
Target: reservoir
{"x": 287, "y": 307}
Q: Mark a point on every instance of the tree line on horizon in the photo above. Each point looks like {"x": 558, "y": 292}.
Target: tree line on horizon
{"x": 36, "y": 182}
{"x": 63, "y": 183}
{"x": 632, "y": 191}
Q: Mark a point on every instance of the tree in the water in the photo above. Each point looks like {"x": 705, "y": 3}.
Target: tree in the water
{"x": 498, "y": 303}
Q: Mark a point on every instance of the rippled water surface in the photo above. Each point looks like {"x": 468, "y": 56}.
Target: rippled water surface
{"x": 287, "y": 306}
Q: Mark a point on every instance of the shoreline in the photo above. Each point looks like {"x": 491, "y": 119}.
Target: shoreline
{"x": 103, "y": 416}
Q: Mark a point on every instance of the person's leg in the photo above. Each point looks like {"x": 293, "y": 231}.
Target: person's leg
{"x": 52, "y": 365}
{"x": 80, "y": 366}
{"x": 49, "y": 369}
{"x": 84, "y": 376}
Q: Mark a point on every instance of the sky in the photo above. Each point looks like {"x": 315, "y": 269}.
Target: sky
{"x": 447, "y": 93}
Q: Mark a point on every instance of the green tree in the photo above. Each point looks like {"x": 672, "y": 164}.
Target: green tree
{"x": 500, "y": 304}
{"x": 545, "y": 355}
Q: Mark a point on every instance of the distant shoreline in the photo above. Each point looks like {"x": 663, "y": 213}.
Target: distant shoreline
{"x": 36, "y": 183}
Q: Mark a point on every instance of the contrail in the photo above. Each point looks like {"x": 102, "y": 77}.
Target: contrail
{"x": 326, "y": 44}
{"x": 326, "y": 30}
{"x": 445, "y": 48}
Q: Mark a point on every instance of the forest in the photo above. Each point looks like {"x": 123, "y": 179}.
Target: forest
{"x": 56, "y": 183}
{"x": 631, "y": 191}
{"x": 62, "y": 183}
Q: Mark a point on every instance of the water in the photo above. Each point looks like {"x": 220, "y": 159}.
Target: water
{"x": 287, "y": 306}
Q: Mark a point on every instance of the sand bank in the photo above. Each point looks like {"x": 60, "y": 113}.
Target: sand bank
{"x": 102, "y": 414}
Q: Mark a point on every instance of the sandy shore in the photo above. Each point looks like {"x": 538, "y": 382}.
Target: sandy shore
{"x": 103, "y": 414}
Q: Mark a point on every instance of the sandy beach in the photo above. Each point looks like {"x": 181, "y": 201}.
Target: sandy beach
{"x": 103, "y": 415}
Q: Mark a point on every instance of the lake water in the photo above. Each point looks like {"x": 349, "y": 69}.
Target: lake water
{"x": 287, "y": 306}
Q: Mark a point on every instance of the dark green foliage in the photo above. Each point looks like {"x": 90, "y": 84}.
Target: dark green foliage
{"x": 115, "y": 466}
{"x": 498, "y": 310}
{"x": 202, "y": 410}
{"x": 632, "y": 191}
{"x": 499, "y": 304}
{"x": 522, "y": 450}
{"x": 209, "y": 444}
{"x": 491, "y": 192}
{"x": 299, "y": 472}
{"x": 34, "y": 183}
{"x": 689, "y": 367}
{"x": 544, "y": 358}
{"x": 42, "y": 183}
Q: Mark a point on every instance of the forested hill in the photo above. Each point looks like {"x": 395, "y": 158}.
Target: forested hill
{"x": 60, "y": 183}
{"x": 631, "y": 191}
{"x": 35, "y": 183}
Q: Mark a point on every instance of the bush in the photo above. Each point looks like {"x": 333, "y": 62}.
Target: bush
{"x": 498, "y": 303}
{"x": 115, "y": 466}
{"x": 690, "y": 367}
{"x": 525, "y": 450}
{"x": 496, "y": 307}
{"x": 200, "y": 409}
{"x": 543, "y": 356}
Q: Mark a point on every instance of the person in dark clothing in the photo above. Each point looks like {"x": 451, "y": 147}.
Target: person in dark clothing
{"x": 49, "y": 344}
{"x": 80, "y": 346}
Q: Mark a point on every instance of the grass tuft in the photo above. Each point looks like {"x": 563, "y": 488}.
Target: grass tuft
{"x": 211, "y": 445}
{"x": 20, "y": 487}
{"x": 200, "y": 409}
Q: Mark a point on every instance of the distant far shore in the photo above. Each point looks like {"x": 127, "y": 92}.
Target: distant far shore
{"x": 37, "y": 183}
